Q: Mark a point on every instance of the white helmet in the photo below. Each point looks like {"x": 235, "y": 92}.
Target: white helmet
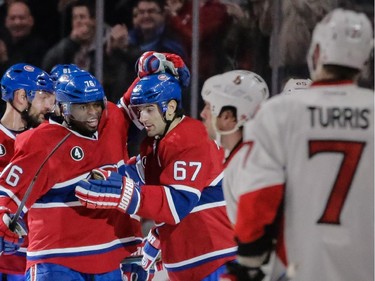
{"x": 241, "y": 89}
{"x": 294, "y": 85}
{"x": 345, "y": 39}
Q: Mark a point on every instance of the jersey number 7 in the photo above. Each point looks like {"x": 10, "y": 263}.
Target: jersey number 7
{"x": 352, "y": 152}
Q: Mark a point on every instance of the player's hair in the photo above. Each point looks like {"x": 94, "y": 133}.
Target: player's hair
{"x": 341, "y": 72}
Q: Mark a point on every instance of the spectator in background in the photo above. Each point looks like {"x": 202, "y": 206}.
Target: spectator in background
{"x": 79, "y": 48}
{"x": 298, "y": 19}
{"x": 150, "y": 33}
{"x": 213, "y": 23}
{"x": 18, "y": 42}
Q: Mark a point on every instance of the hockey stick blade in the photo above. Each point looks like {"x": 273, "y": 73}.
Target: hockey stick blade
{"x": 13, "y": 223}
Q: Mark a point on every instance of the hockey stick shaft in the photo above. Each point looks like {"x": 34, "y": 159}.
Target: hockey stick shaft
{"x": 13, "y": 223}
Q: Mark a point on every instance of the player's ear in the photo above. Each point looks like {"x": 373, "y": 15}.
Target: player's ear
{"x": 316, "y": 55}
{"x": 228, "y": 119}
{"x": 171, "y": 110}
{"x": 20, "y": 99}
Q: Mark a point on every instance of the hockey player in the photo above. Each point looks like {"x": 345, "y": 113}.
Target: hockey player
{"x": 29, "y": 96}
{"x": 231, "y": 99}
{"x": 306, "y": 173}
{"x": 182, "y": 191}
{"x": 67, "y": 241}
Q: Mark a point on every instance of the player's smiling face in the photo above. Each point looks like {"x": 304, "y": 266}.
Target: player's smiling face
{"x": 85, "y": 117}
{"x": 152, "y": 119}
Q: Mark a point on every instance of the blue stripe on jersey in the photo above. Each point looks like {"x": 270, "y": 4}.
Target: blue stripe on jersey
{"x": 60, "y": 195}
{"x": 212, "y": 194}
{"x": 181, "y": 200}
{"x": 197, "y": 261}
{"x": 83, "y": 251}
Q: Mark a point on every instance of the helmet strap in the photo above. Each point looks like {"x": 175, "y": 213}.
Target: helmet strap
{"x": 167, "y": 123}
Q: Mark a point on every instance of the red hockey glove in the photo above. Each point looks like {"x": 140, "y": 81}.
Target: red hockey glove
{"x": 10, "y": 241}
{"x": 153, "y": 62}
{"x": 109, "y": 190}
{"x": 151, "y": 249}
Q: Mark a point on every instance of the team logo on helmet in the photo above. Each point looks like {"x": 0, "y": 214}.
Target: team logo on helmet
{"x": 64, "y": 77}
{"x": 77, "y": 153}
{"x": 162, "y": 77}
{"x": 238, "y": 80}
{"x": 3, "y": 151}
{"x": 28, "y": 68}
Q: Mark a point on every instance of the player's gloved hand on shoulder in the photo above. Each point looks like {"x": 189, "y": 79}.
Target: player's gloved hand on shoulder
{"x": 151, "y": 250}
{"x": 153, "y": 62}
{"x": 238, "y": 272}
{"x": 109, "y": 190}
{"x": 10, "y": 241}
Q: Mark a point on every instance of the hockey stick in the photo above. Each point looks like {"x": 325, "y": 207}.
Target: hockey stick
{"x": 13, "y": 223}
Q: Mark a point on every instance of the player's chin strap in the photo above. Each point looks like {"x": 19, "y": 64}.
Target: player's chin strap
{"x": 169, "y": 122}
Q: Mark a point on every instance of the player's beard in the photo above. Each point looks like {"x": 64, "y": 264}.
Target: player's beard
{"x": 31, "y": 120}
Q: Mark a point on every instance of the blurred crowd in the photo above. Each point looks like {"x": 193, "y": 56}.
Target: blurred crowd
{"x": 257, "y": 35}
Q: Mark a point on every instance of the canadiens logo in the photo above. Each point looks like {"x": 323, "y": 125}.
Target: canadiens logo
{"x": 64, "y": 77}
{"x": 2, "y": 150}
{"x": 162, "y": 77}
{"x": 28, "y": 68}
{"x": 77, "y": 153}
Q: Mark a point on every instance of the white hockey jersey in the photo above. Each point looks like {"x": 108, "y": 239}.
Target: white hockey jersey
{"x": 310, "y": 157}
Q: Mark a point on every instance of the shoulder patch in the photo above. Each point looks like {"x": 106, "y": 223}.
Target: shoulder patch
{"x": 77, "y": 153}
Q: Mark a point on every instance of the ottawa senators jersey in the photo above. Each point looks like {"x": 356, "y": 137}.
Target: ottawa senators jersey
{"x": 61, "y": 230}
{"x": 313, "y": 155}
{"x": 183, "y": 194}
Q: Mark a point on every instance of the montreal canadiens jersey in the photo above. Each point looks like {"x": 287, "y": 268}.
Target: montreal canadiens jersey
{"x": 16, "y": 263}
{"x": 61, "y": 230}
{"x": 315, "y": 152}
{"x": 183, "y": 195}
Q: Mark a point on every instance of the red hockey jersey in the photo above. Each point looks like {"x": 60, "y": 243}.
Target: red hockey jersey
{"x": 61, "y": 230}
{"x": 183, "y": 195}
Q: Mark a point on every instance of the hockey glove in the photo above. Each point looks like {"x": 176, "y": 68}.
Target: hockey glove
{"x": 152, "y": 62}
{"x": 237, "y": 272}
{"x": 135, "y": 170}
{"x": 134, "y": 272}
{"x": 10, "y": 241}
{"x": 109, "y": 190}
{"x": 151, "y": 250}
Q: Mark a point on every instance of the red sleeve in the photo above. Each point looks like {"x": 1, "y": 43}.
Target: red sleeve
{"x": 250, "y": 225}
